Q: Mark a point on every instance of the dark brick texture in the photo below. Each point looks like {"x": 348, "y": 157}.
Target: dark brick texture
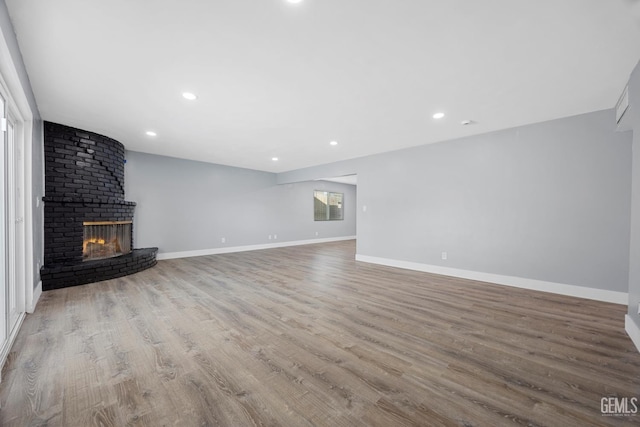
{"x": 82, "y": 165}
{"x": 84, "y": 181}
{"x": 65, "y": 275}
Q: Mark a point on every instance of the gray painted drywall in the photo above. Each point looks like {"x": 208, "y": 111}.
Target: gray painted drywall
{"x": 632, "y": 120}
{"x": 184, "y": 205}
{"x": 37, "y": 147}
{"x": 336, "y": 169}
{"x": 549, "y": 201}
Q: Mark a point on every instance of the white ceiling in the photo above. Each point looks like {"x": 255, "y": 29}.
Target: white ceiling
{"x": 282, "y": 80}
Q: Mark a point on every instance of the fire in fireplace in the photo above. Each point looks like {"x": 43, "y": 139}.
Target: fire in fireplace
{"x": 106, "y": 239}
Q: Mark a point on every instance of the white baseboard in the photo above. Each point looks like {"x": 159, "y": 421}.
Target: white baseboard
{"x": 37, "y": 292}
{"x": 518, "y": 282}
{"x": 632, "y": 330}
{"x": 217, "y": 251}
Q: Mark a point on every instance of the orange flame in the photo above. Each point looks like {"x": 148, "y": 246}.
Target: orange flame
{"x": 94, "y": 240}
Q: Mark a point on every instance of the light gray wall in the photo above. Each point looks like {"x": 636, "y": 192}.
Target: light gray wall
{"x": 37, "y": 141}
{"x": 549, "y": 201}
{"x": 184, "y": 205}
{"x": 632, "y": 119}
{"x": 341, "y": 168}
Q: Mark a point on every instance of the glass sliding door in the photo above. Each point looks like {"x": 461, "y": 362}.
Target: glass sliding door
{"x": 4, "y": 291}
{"x": 12, "y": 230}
{"x": 15, "y": 225}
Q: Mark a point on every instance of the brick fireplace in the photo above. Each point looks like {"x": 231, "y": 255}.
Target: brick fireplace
{"x": 88, "y": 226}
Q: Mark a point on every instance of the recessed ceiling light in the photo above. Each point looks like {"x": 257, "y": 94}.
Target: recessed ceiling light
{"x": 275, "y": 159}
{"x": 188, "y": 95}
{"x": 334, "y": 143}
{"x": 151, "y": 133}
{"x": 294, "y": 1}
{"x": 438, "y": 115}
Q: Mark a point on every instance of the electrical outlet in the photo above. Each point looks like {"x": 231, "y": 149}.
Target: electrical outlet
{"x": 444, "y": 255}
{"x": 316, "y": 233}
{"x": 269, "y": 236}
{"x": 275, "y": 237}
{"x": 223, "y": 240}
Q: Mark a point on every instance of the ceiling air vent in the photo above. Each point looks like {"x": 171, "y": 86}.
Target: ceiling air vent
{"x": 622, "y": 105}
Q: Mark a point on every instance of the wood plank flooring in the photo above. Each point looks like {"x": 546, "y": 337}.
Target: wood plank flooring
{"x": 306, "y": 336}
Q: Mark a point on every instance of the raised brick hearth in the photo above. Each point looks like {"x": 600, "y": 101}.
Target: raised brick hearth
{"x": 84, "y": 182}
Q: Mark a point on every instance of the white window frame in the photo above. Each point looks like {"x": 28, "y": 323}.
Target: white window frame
{"x": 20, "y": 110}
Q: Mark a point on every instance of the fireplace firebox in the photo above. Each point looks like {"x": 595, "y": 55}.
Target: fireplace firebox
{"x": 106, "y": 239}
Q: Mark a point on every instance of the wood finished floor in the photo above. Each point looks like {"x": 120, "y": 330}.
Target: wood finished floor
{"x": 306, "y": 336}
